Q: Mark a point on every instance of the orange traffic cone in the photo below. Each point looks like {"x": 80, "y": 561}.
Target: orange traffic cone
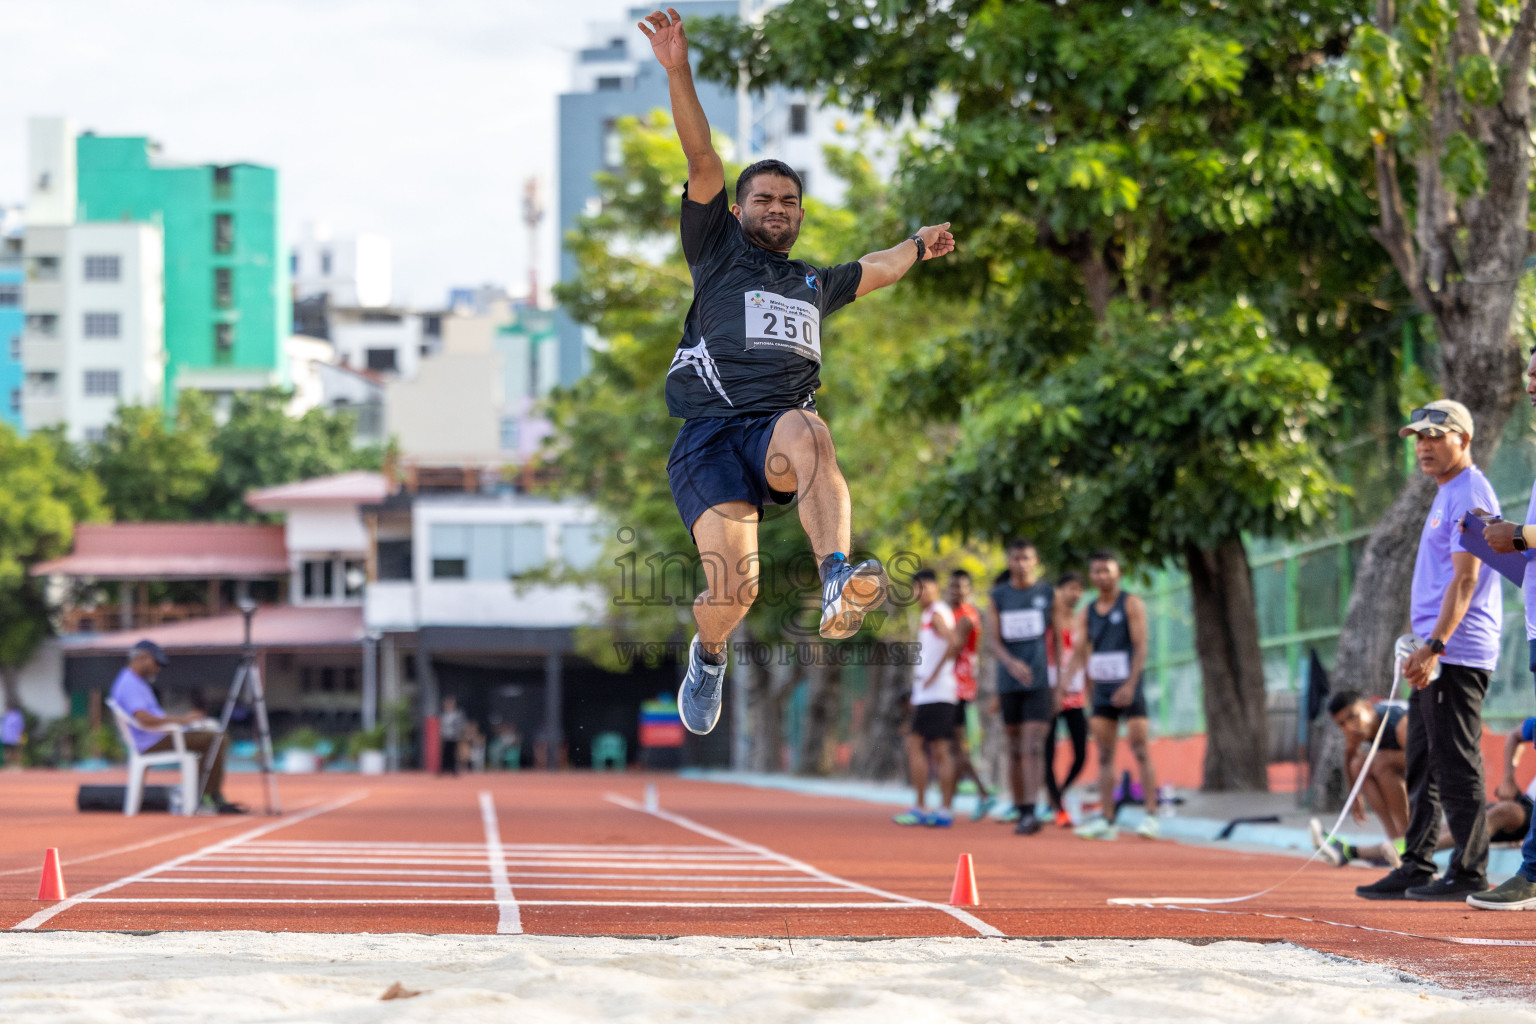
{"x": 52, "y": 885}
{"x": 964, "y": 893}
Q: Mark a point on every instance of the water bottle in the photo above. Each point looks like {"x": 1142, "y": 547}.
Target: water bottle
{"x": 651, "y": 802}
{"x": 1401, "y": 652}
{"x": 1166, "y": 808}
{"x": 1072, "y": 802}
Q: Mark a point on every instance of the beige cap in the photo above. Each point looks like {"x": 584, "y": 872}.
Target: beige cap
{"x": 1455, "y": 417}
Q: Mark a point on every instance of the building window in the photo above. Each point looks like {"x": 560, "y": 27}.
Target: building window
{"x": 613, "y": 146}
{"x": 381, "y": 359}
{"x": 325, "y": 263}
{"x": 394, "y": 558}
{"x": 95, "y": 435}
{"x": 103, "y": 325}
{"x": 15, "y": 348}
{"x": 319, "y": 578}
{"x": 223, "y": 182}
{"x": 223, "y": 342}
{"x": 16, "y": 401}
{"x": 293, "y": 264}
{"x": 43, "y": 268}
{"x": 799, "y": 119}
{"x": 10, "y": 294}
{"x": 609, "y": 83}
{"x": 581, "y": 545}
{"x": 103, "y": 268}
{"x": 43, "y": 383}
{"x": 223, "y": 287}
{"x": 354, "y": 576}
{"x": 223, "y": 232}
{"x": 44, "y": 325}
{"x": 102, "y": 383}
{"x": 449, "y": 568}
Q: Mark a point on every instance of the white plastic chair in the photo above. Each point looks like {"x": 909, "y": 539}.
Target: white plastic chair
{"x": 139, "y": 763}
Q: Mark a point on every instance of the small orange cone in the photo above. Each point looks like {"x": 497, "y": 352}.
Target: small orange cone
{"x": 964, "y": 893}
{"x": 52, "y": 885}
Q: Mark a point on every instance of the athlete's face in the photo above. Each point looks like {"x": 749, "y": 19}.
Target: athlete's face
{"x": 1104, "y": 573}
{"x": 1024, "y": 562}
{"x": 1070, "y": 593}
{"x": 1357, "y": 722}
{"x": 959, "y": 590}
{"x": 771, "y": 214}
{"x": 927, "y": 592}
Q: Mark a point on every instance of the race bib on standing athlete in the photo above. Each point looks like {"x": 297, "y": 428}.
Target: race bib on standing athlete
{"x": 1022, "y": 624}
{"x": 776, "y": 322}
{"x": 1110, "y": 666}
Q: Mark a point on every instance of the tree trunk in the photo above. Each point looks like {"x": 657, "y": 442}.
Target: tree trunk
{"x": 10, "y": 687}
{"x": 823, "y": 709}
{"x": 765, "y": 717}
{"x": 1231, "y": 668}
{"x": 877, "y": 752}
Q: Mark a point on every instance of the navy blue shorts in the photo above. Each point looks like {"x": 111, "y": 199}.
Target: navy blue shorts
{"x": 721, "y": 459}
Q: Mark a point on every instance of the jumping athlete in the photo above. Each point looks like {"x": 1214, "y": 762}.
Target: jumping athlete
{"x": 1114, "y": 651}
{"x": 1069, "y": 591}
{"x": 1018, "y": 622}
{"x": 967, "y": 638}
{"x": 744, "y": 380}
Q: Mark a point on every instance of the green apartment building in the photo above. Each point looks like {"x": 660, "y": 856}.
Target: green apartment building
{"x": 227, "y": 300}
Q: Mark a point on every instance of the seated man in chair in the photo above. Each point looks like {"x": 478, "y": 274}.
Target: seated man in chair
{"x": 131, "y": 692}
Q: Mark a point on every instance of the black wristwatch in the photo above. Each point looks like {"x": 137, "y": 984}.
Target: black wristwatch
{"x": 1436, "y": 645}
{"x": 922, "y": 249}
{"x": 1519, "y": 539}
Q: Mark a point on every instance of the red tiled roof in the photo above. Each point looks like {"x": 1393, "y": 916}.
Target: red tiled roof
{"x": 275, "y": 626}
{"x": 361, "y": 487}
{"x": 173, "y": 551}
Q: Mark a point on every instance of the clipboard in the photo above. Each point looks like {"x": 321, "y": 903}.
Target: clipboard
{"x": 1510, "y": 566}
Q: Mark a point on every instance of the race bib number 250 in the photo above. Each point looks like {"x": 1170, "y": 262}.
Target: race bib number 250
{"x": 776, "y": 322}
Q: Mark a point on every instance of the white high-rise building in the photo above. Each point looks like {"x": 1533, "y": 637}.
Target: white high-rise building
{"x": 95, "y": 301}
{"x": 352, "y": 270}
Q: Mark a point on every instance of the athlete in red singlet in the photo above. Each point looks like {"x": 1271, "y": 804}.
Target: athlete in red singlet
{"x": 1072, "y": 696}
{"x": 968, "y": 636}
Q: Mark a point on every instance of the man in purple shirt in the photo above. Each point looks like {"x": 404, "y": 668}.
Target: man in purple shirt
{"x": 131, "y": 693}
{"x": 1458, "y": 608}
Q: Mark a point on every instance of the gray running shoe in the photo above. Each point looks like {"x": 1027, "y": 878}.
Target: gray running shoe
{"x": 1515, "y": 894}
{"x": 847, "y": 594}
{"x": 698, "y": 699}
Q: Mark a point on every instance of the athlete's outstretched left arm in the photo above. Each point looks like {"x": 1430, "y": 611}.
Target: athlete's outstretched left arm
{"x": 890, "y": 265}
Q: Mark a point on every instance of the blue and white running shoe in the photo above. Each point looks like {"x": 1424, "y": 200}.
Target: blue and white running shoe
{"x": 698, "y": 699}
{"x": 849, "y": 593}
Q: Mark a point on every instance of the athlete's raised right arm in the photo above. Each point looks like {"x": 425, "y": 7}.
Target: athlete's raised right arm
{"x": 706, "y": 174}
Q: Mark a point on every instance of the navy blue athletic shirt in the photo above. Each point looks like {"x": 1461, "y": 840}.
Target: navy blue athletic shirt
{"x": 752, "y": 340}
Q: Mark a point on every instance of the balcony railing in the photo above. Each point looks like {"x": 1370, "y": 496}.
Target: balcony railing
{"x": 107, "y": 618}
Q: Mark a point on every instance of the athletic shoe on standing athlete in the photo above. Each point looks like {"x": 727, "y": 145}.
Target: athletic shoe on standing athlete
{"x": 1098, "y": 828}
{"x": 1149, "y": 828}
{"x": 1516, "y": 893}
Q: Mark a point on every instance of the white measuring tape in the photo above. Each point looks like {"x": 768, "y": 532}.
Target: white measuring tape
{"x": 1404, "y": 647}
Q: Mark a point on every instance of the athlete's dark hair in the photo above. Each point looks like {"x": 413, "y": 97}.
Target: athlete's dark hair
{"x": 959, "y": 574}
{"x": 1020, "y": 543}
{"x": 1341, "y": 700}
{"x": 1068, "y": 577}
{"x": 779, "y": 167}
{"x": 924, "y": 575}
{"x": 1104, "y": 555}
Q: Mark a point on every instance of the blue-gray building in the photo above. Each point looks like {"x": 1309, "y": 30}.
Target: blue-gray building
{"x": 616, "y": 76}
{"x": 13, "y": 319}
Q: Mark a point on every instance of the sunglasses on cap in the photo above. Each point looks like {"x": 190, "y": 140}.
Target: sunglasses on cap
{"x": 1439, "y": 417}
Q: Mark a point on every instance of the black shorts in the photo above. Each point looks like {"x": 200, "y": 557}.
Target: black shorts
{"x": 721, "y": 459}
{"x": 1516, "y": 835}
{"x": 934, "y": 721}
{"x": 1026, "y": 706}
{"x": 1104, "y": 706}
{"x": 960, "y": 709}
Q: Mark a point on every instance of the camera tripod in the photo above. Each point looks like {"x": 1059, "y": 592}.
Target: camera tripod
{"x": 247, "y": 688}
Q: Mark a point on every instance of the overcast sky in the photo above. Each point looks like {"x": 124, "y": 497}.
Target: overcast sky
{"x": 417, "y": 119}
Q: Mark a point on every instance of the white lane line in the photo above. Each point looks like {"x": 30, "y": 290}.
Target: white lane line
{"x": 533, "y": 903}
{"x": 761, "y": 865}
{"x": 418, "y": 872}
{"x": 481, "y": 885}
{"x": 968, "y": 919}
{"x": 44, "y": 915}
{"x": 300, "y": 844}
{"x": 510, "y": 919}
{"x": 118, "y": 851}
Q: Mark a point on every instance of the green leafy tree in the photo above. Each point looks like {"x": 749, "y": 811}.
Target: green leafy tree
{"x": 1122, "y": 176}
{"x": 153, "y": 468}
{"x": 41, "y": 499}
{"x": 1438, "y": 95}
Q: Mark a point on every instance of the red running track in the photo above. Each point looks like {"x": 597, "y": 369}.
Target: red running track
{"x": 578, "y": 854}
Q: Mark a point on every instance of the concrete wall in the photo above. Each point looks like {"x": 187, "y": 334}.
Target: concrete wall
{"x": 450, "y": 414}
